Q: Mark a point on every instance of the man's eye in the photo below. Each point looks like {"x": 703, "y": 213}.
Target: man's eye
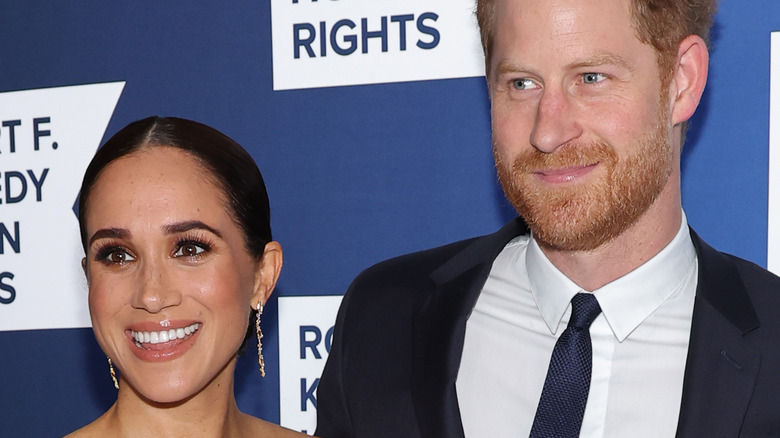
{"x": 593, "y": 78}
{"x": 523, "y": 84}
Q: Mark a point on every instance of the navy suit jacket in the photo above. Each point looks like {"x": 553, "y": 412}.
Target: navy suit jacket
{"x": 400, "y": 329}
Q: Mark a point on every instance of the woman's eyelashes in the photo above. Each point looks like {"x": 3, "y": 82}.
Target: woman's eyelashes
{"x": 111, "y": 253}
{"x": 191, "y": 247}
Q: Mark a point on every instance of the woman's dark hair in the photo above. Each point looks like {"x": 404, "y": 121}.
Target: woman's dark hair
{"x": 232, "y": 168}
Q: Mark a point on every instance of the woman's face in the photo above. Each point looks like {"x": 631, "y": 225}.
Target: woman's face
{"x": 171, "y": 285}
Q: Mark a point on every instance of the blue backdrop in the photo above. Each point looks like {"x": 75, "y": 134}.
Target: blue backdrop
{"x": 355, "y": 174}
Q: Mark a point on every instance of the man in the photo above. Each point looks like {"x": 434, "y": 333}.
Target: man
{"x": 589, "y": 105}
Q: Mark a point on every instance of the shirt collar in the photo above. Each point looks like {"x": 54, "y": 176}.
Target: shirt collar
{"x": 625, "y": 302}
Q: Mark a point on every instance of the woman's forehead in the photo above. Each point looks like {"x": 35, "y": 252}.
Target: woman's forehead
{"x": 154, "y": 183}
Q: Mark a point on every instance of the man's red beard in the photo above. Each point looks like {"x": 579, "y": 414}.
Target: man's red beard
{"x": 582, "y": 216}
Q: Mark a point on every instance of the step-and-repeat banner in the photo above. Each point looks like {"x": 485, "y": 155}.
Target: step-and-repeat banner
{"x": 773, "y": 253}
{"x": 47, "y": 138}
{"x": 370, "y": 123}
{"x": 351, "y": 42}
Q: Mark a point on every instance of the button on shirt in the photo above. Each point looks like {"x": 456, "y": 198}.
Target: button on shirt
{"x": 640, "y": 343}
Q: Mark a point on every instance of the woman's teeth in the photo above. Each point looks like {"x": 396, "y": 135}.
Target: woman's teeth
{"x": 164, "y": 335}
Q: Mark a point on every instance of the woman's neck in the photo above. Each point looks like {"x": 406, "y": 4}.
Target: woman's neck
{"x": 212, "y": 412}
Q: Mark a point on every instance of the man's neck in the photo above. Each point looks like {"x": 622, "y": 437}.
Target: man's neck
{"x": 651, "y": 233}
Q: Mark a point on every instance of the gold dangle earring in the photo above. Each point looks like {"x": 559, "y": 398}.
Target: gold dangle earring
{"x": 260, "y": 359}
{"x": 112, "y": 372}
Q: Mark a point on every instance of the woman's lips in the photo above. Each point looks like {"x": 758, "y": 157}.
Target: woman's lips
{"x": 165, "y": 335}
{"x": 163, "y": 344}
{"x": 564, "y": 174}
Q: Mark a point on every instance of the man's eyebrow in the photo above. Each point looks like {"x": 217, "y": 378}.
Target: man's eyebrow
{"x": 108, "y": 233}
{"x": 181, "y": 227}
{"x": 596, "y": 60}
{"x": 602, "y": 59}
{"x": 506, "y": 66}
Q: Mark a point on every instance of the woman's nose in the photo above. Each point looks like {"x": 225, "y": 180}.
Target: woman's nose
{"x": 155, "y": 290}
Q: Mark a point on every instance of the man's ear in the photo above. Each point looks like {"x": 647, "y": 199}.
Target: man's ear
{"x": 689, "y": 79}
{"x": 270, "y": 266}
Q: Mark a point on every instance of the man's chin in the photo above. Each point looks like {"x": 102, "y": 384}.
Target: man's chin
{"x": 570, "y": 231}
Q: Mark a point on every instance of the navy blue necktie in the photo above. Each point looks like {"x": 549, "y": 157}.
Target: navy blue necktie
{"x": 562, "y": 404}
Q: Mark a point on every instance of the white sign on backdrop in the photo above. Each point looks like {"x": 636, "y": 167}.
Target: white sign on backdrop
{"x": 773, "y": 234}
{"x": 305, "y": 335}
{"x": 325, "y": 43}
{"x": 47, "y": 138}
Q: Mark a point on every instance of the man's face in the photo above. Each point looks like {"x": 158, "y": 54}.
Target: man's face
{"x": 581, "y": 128}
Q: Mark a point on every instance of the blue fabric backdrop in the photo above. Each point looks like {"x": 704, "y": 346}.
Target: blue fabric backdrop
{"x": 355, "y": 174}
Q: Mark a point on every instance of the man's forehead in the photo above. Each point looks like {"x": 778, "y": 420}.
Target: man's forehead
{"x": 567, "y": 25}
{"x": 596, "y": 59}
{"x": 562, "y": 14}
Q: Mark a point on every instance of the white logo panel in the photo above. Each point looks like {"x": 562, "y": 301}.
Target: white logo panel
{"x": 47, "y": 138}
{"x": 324, "y": 43}
{"x": 773, "y": 234}
{"x": 305, "y": 336}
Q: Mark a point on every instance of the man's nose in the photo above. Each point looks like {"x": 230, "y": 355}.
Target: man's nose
{"x": 556, "y": 121}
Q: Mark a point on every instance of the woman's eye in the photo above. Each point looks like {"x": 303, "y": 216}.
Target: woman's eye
{"x": 593, "y": 78}
{"x": 189, "y": 249}
{"x": 117, "y": 256}
{"x": 523, "y": 84}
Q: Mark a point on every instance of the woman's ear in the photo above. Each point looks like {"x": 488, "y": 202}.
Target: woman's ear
{"x": 84, "y": 268}
{"x": 270, "y": 266}
{"x": 690, "y": 77}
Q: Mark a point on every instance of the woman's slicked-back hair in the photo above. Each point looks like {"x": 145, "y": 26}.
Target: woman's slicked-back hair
{"x": 232, "y": 168}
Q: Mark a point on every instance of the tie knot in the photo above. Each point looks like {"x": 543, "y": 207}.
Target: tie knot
{"x": 584, "y": 309}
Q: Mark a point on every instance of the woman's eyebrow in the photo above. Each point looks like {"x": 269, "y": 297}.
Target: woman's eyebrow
{"x": 106, "y": 233}
{"x": 181, "y": 227}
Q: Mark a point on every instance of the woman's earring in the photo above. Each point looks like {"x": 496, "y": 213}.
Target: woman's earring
{"x": 260, "y": 360}
{"x": 113, "y": 373}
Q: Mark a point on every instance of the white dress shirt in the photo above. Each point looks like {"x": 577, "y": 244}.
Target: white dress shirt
{"x": 640, "y": 343}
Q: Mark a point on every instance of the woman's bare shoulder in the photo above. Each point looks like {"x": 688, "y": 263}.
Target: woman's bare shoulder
{"x": 94, "y": 429}
{"x": 99, "y": 428}
{"x": 253, "y": 426}
{"x": 271, "y": 430}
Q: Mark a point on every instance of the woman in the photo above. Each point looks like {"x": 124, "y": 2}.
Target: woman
{"x": 175, "y": 224}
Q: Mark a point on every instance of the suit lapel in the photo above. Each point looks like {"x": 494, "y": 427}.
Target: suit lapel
{"x": 722, "y": 365}
{"x": 439, "y": 329}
